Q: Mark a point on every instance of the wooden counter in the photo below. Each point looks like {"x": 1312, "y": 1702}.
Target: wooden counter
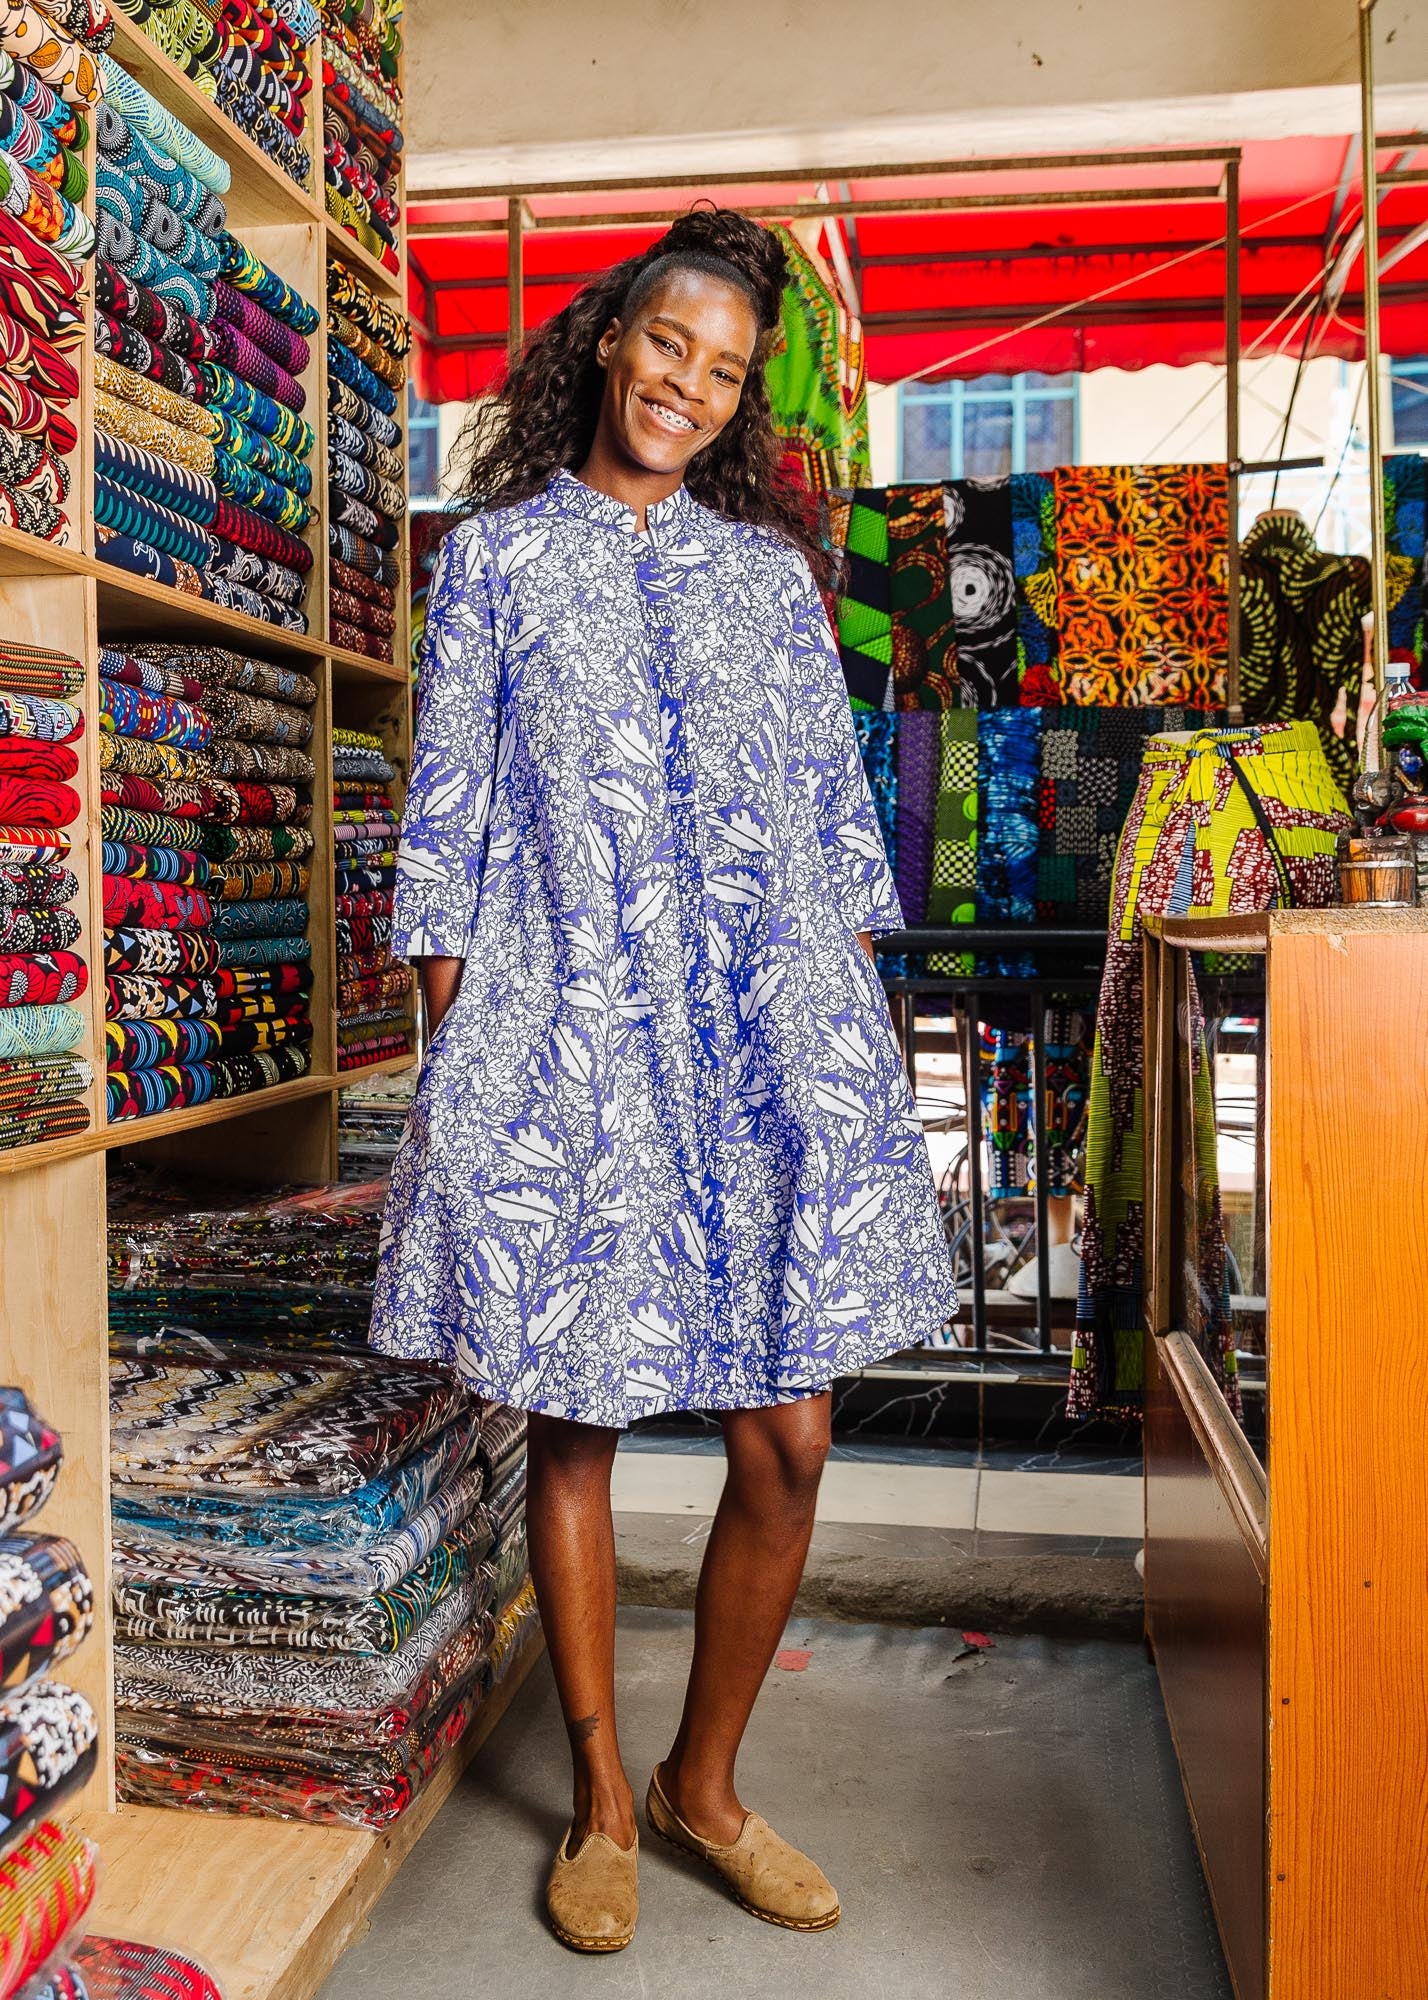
{"x": 1287, "y": 1606}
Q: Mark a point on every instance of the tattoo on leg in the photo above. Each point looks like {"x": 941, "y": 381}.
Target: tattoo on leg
{"x": 582, "y": 1728}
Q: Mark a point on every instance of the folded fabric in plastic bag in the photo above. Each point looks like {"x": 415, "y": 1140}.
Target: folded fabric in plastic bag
{"x": 248, "y": 1547}
{"x": 211, "y": 1678}
{"x": 315, "y": 1424}
{"x": 359, "y": 1790}
{"x": 117, "y": 1969}
{"x": 153, "y": 1611}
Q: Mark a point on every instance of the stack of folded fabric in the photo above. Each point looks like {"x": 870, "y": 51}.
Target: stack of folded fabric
{"x": 293, "y": 1267}
{"x": 366, "y": 495}
{"x": 49, "y": 1740}
{"x": 48, "y": 83}
{"x": 257, "y": 842}
{"x": 42, "y": 1079}
{"x": 366, "y": 477}
{"x": 159, "y": 949}
{"x": 425, "y": 531}
{"x": 250, "y": 58}
{"x": 373, "y": 989}
{"x": 306, "y": 1578}
{"x": 361, "y": 113}
{"x": 371, "y": 1118}
{"x": 200, "y": 474}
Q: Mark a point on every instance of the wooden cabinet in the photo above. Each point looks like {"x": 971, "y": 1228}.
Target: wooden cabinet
{"x": 1287, "y": 1601}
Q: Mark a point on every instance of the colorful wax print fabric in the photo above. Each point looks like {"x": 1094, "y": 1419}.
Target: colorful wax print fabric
{"x": 1194, "y": 845}
{"x": 924, "y": 626}
{"x": 38, "y": 1031}
{"x": 1033, "y": 528}
{"x": 816, "y": 382}
{"x": 951, "y": 896}
{"x": 46, "y": 1606}
{"x": 982, "y": 586}
{"x": 39, "y": 670}
{"x": 1142, "y": 566}
{"x": 1301, "y": 634}
{"x": 865, "y": 641}
{"x": 1090, "y": 768}
{"x": 49, "y": 1746}
{"x": 47, "y": 1884}
{"x": 1405, "y": 490}
{"x": 30, "y": 1455}
{"x": 116, "y": 1969}
{"x": 728, "y": 852}
{"x": 1008, "y": 776}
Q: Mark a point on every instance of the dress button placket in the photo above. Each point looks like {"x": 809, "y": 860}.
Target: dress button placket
{"x": 656, "y": 578}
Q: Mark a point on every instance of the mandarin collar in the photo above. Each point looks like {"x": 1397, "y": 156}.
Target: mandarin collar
{"x": 666, "y": 520}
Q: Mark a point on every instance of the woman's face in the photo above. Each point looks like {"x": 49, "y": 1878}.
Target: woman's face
{"x": 675, "y": 370}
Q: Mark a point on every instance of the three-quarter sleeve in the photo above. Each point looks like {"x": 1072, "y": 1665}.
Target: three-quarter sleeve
{"x": 823, "y": 762}
{"x": 443, "y": 840}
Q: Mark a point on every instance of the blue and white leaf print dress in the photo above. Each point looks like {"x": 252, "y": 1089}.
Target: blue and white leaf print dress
{"x": 663, "y": 1154}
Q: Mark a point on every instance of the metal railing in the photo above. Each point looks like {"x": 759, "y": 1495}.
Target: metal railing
{"x": 1069, "y": 961}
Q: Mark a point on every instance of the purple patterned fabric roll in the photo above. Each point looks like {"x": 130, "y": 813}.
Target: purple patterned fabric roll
{"x": 236, "y": 351}
{"x": 287, "y": 348}
{"x": 917, "y": 756}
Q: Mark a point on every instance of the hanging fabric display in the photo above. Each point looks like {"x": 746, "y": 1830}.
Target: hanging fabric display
{"x": 1301, "y": 633}
{"x": 1142, "y": 568}
{"x": 816, "y": 386}
{"x": 1229, "y": 820}
{"x": 983, "y": 588}
{"x": 924, "y": 630}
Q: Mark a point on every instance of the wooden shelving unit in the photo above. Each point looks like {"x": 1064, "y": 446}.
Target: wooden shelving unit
{"x": 267, "y": 1905}
{"x": 1285, "y": 1601}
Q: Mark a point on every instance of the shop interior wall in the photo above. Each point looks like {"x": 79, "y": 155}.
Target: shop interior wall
{"x": 591, "y": 90}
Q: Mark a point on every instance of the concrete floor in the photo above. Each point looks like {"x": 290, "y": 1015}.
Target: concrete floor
{"x": 1002, "y": 1825}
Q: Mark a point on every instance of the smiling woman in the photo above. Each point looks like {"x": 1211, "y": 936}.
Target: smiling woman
{"x": 663, "y": 1154}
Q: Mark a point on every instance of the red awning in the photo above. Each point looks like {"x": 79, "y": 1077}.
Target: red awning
{"x": 1071, "y": 284}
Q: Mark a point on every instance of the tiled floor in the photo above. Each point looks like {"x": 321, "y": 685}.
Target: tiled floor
{"x": 939, "y": 1489}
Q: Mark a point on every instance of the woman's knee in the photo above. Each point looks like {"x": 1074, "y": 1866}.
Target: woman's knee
{"x": 559, "y": 1449}
{"x": 780, "y": 1452}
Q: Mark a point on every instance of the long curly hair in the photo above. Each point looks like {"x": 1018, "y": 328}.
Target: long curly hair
{"x": 544, "y": 414}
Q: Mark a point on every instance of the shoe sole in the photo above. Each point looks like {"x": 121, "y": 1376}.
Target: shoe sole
{"x": 591, "y": 1945}
{"x": 764, "y": 1916}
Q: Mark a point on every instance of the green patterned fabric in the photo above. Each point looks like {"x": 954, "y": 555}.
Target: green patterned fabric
{"x": 952, "y": 898}
{"x": 865, "y": 632}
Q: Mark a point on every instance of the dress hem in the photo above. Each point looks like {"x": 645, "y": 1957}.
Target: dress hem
{"x": 672, "y": 1406}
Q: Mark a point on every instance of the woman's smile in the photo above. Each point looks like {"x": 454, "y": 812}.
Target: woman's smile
{"x": 668, "y": 416}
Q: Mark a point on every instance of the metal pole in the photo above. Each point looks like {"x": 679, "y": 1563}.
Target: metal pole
{"x": 1232, "y": 436}
{"x": 1156, "y": 156}
{"x": 972, "y": 1084}
{"x": 515, "y": 279}
{"x": 1041, "y": 1140}
{"x": 1377, "y": 524}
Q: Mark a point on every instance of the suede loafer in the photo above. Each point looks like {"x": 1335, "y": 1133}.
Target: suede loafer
{"x": 766, "y": 1875}
{"x": 592, "y": 1897}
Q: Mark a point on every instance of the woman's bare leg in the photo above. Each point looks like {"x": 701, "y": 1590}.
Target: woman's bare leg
{"x": 752, "y": 1566}
{"x": 572, "y": 1554}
